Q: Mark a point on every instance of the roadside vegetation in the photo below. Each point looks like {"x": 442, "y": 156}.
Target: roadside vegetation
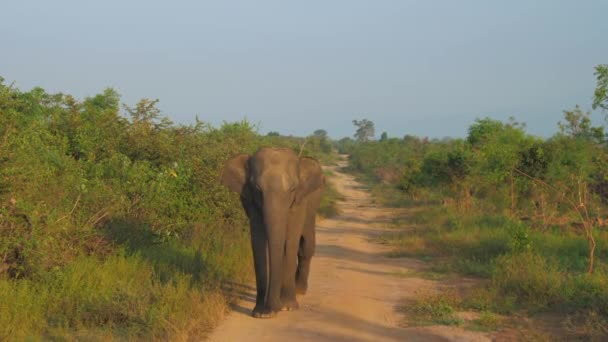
{"x": 113, "y": 224}
{"x": 525, "y": 215}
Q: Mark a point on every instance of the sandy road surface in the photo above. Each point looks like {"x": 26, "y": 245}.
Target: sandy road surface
{"x": 353, "y": 288}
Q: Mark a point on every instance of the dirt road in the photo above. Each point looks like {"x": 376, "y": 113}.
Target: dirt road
{"x": 354, "y": 288}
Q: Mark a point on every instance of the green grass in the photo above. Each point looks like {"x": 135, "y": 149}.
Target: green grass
{"x": 121, "y": 296}
{"x": 521, "y": 269}
{"x": 487, "y": 322}
{"x": 587, "y": 325}
{"x": 429, "y": 309}
{"x": 429, "y": 274}
{"x": 113, "y": 224}
{"x": 146, "y": 289}
{"x": 541, "y": 270}
{"x": 329, "y": 205}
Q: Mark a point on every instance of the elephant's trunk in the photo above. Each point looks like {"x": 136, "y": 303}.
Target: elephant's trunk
{"x": 275, "y": 220}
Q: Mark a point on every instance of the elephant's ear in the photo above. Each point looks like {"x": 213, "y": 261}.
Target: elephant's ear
{"x": 234, "y": 174}
{"x": 311, "y": 177}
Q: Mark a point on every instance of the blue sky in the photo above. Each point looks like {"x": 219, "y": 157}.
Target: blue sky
{"x": 427, "y": 68}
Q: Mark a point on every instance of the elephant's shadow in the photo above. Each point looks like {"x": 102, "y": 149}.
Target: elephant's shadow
{"x": 242, "y": 293}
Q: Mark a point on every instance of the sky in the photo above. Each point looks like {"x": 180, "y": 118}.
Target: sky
{"x": 426, "y": 68}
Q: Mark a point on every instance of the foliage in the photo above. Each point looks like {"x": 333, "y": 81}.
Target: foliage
{"x": 578, "y": 125}
{"x": 600, "y": 98}
{"x": 526, "y": 213}
{"x": 116, "y": 225}
{"x": 429, "y": 308}
{"x": 365, "y": 130}
{"x": 329, "y": 205}
{"x": 321, "y": 133}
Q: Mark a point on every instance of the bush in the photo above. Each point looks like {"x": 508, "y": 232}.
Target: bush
{"x": 115, "y": 227}
{"x": 329, "y": 205}
{"x": 528, "y": 276}
{"x": 121, "y": 294}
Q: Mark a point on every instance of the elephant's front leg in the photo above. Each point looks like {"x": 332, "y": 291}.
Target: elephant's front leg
{"x": 307, "y": 243}
{"x": 288, "y": 290}
{"x": 259, "y": 244}
{"x": 276, "y": 231}
{"x": 305, "y": 252}
{"x": 294, "y": 232}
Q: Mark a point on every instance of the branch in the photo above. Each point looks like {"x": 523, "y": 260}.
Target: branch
{"x": 571, "y": 202}
{"x": 302, "y": 147}
{"x": 71, "y": 211}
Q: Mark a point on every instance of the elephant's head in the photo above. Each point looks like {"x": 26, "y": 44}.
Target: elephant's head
{"x": 273, "y": 179}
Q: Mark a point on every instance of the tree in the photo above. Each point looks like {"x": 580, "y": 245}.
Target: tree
{"x": 384, "y": 136}
{"x": 578, "y": 125}
{"x": 600, "y": 98}
{"x": 320, "y": 140}
{"x": 148, "y": 135}
{"x": 365, "y": 130}
{"x": 345, "y": 145}
{"x": 146, "y": 113}
{"x": 273, "y": 134}
{"x": 320, "y": 133}
{"x": 482, "y": 130}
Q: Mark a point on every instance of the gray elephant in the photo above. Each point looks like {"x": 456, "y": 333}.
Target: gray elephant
{"x": 280, "y": 193}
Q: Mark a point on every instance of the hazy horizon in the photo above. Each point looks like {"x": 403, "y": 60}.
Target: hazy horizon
{"x": 411, "y": 67}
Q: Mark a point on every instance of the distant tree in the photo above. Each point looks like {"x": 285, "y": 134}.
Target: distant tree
{"x": 365, "y": 130}
{"x": 409, "y": 138}
{"x": 482, "y": 130}
{"x": 273, "y": 134}
{"x": 145, "y": 113}
{"x": 320, "y": 133}
{"x": 384, "y": 136}
{"x": 578, "y": 125}
{"x": 320, "y": 141}
{"x": 345, "y": 145}
{"x": 600, "y": 98}
{"x": 148, "y": 136}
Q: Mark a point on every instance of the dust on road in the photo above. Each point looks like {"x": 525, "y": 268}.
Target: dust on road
{"x": 353, "y": 289}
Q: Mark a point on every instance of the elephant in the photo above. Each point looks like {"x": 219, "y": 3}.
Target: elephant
{"x": 280, "y": 193}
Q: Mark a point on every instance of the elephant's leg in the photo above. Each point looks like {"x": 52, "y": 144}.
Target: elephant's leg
{"x": 260, "y": 261}
{"x": 288, "y": 290}
{"x": 305, "y": 252}
{"x": 307, "y": 243}
{"x": 276, "y": 248}
{"x": 276, "y": 233}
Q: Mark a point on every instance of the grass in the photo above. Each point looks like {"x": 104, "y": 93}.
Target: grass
{"x": 121, "y": 296}
{"x": 587, "y": 325}
{"x": 145, "y": 289}
{"x": 113, "y": 224}
{"x": 431, "y": 308}
{"x": 487, "y": 322}
{"x": 429, "y": 274}
{"x": 523, "y": 270}
{"x": 329, "y": 202}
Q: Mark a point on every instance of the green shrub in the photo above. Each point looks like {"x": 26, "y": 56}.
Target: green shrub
{"x": 121, "y": 294}
{"x": 329, "y": 206}
{"x": 529, "y": 277}
{"x": 116, "y": 227}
